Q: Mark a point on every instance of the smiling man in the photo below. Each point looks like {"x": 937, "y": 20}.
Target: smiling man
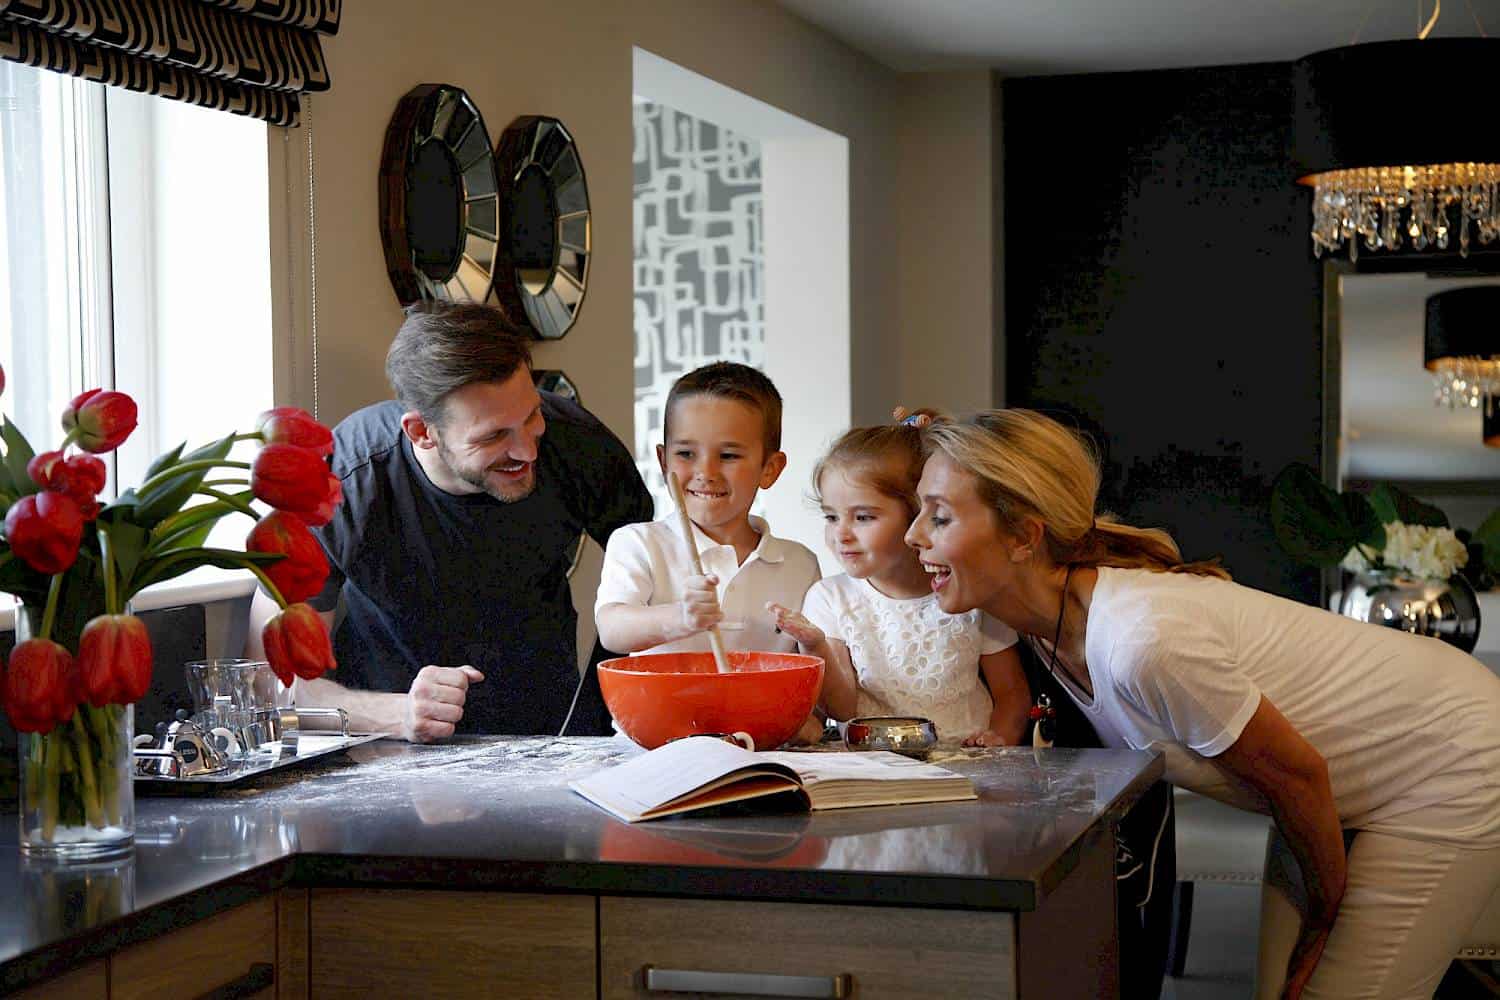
{"x": 463, "y": 500}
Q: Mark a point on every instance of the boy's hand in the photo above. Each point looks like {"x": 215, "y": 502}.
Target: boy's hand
{"x": 811, "y": 731}
{"x": 796, "y": 625}
{"x": 700, "y": 604}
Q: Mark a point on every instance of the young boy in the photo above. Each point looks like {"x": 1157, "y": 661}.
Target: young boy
{"x": 722, "y": 434}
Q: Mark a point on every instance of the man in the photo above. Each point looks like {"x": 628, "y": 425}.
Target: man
{"x": 463, "y": 501}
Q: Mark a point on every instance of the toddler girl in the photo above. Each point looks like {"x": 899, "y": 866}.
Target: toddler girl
{"x": 888, "y": 648}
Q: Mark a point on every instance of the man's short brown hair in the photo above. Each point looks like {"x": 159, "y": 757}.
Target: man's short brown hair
{"x": 730, "y": 380}
{"x": 444, "y": 346}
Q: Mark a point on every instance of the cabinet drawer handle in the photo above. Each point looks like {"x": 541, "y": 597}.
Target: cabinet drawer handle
{"x": 755, "y": 984}
{"x": 261, "y": 976}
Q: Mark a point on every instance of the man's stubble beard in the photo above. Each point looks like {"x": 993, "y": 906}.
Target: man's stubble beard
{"x": 480, "y": 481}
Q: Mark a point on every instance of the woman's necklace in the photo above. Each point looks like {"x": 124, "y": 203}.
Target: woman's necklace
{"x": 1042, "y": 713}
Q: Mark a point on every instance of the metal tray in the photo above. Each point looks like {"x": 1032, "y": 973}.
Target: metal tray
{"x": 311, "y": 746}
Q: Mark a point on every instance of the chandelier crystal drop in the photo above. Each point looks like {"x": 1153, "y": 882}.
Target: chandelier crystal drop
{"x": 1466, "y": 382}
{"x": 1425, "y": 207}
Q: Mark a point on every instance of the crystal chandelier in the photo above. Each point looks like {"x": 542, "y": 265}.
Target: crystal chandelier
{"x": 1461, "y": 347}
{"x": 1387, "y": 136}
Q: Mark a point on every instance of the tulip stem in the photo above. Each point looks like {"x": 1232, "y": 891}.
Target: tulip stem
{"x": 51, "y": 765}
{"x": 173, "y": 471}
{"x": 54, "y": 590}
{"x": 93, "y": 808}
{"x": 101, "y": 721}
{"x": 106, "y": 554}
{"x": 265, "y": 581}
{"x": 226, "y": 482}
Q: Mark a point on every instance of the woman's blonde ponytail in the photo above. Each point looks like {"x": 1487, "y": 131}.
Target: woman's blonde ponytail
{"x": 1029, "y": 465}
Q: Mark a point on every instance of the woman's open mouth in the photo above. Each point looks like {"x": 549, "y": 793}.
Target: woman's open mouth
{"x": 940, "y": 574}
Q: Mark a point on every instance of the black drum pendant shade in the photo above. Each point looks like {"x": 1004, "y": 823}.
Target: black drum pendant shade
{"x": 1461, "y": 346}
{"x": 1392, "y": 137}
{"x": 1462, "y": 323}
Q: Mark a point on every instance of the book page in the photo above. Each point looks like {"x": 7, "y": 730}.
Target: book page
{"x": 661, "y": 776}
{"x": 874, "y": 765}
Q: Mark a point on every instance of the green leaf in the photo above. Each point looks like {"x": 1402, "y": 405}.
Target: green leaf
{"x": 168, "y": 497}
{"x": 1311, "y": 521}
{"x": 21, "y": 580}
{"x": 127, "y": 543}
{"x": 1368, "y": 528}
{"x": 201, "y": 520}
{"x": 165, "y": 459}
{"x": 17, "y": 453}
{"x": 1393, "y": 504}
{"x": 1488, "y": 536}
{"x": 175, "y": 562}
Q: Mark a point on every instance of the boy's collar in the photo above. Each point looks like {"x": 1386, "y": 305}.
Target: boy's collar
{"x": 769, "y": 549}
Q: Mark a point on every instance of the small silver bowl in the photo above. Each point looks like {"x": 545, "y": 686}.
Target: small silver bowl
{"x": 906, "y": 735}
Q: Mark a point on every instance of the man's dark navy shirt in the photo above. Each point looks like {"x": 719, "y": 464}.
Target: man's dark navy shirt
{"x": 428, "y": 577}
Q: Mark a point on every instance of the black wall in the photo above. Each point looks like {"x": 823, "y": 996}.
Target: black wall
{"x": 1161, "y": 293}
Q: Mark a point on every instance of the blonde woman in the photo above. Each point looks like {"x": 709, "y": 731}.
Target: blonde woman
{"x": 1376, "y": 752}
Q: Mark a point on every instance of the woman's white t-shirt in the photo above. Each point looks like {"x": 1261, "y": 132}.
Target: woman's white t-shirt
{"x": 909, "y": 656}
{"x": 1409, "y": 725}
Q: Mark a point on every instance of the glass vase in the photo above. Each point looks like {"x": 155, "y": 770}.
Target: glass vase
{"x": 77, "y": 799}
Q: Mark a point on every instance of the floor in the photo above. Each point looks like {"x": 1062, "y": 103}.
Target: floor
{"x": 1221, "y": 951}
{"x": 1221, "y": 954}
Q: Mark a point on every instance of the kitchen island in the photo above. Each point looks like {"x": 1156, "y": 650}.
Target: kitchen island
{"x": 470, "y": 867}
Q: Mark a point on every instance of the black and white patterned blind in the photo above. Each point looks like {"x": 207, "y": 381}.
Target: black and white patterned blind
{"x": 250, "y": 57}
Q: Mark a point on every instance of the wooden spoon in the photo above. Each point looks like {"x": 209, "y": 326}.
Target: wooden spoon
{"x": 714, "y": 638}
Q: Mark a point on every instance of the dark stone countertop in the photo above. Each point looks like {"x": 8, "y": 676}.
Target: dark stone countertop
{"x": 496, "y": 813}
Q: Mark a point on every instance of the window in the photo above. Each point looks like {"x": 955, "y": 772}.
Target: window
{"x": 134, "y": 254}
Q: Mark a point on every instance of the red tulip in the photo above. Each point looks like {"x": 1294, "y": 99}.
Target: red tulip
{"x": 289, "y": 478}
{"x": 44, "y": 530}
{"x": 2, "y": 380}
{"x": 302, "y": 573}
{"x": 103, "y": 420}
{"x": 292, "y": 425}
{"x": 86, "y": 474}
{"x": 83, "y": 480}
{"x": 48, "y": 470}
{"x": 323, "y": 512}
{"x": 114, "y": 660}
{"x": 41, "y": 686}
{"x": 297, "y": 643}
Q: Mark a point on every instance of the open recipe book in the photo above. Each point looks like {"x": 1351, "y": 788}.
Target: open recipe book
{"x": 704, "y": 771}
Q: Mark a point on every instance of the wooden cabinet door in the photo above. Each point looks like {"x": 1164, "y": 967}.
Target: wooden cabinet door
{"x": 870, "y": 951}
{"x": 88, "y": 982}
{"x": 397, "y": 942}
{"x": 235, "y": 947}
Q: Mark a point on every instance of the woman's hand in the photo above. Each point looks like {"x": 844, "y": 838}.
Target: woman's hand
{"x": 796, "y": 625}
{"x": 1304, "y": 959}
{"x": 987, "y": 738}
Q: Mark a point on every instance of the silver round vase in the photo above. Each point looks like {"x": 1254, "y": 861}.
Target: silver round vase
{"x": 1444, "y": 609}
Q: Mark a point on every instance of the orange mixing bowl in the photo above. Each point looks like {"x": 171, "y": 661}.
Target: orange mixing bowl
{"x": 656, "y": 697}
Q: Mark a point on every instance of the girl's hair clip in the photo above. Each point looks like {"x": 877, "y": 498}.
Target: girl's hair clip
{"x": 912, "y": 421}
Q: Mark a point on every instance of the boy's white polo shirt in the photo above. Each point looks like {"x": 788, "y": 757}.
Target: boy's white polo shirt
{"x": 646, "y": 564}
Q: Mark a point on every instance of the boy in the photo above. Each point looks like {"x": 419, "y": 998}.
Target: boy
{"x": 722, "y": 438}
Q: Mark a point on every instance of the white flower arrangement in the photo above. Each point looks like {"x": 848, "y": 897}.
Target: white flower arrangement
{"x": 1413, "y": 549}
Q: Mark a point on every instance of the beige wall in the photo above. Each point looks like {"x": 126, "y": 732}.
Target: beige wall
{"x": 916, "y": 332}
{"x": 946, "y": 248}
